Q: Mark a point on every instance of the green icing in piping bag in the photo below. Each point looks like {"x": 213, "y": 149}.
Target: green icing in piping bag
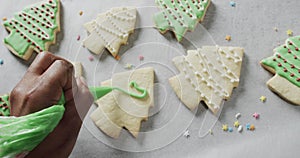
{"x": 23, "y": 134}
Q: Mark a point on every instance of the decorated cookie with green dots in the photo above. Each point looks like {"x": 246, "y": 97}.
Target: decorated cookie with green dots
{"x": 285, "y": 64}
{"x": 33, "y": 29}
{"x": 180, "y": 16}
{"x": 4, "y": 105}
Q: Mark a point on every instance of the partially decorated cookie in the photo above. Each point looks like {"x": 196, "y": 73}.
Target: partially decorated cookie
{"x": 117, "y": 110}
{"x": 33, "y": 29}
{"x": 4, "y": 105}
{"x": 110, "y": 30}
{"x": 285, "y": 64}
{"x": 207, "y": 74}
{"x": 180, "y": 16}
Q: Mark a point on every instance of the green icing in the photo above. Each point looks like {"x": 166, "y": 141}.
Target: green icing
{"x": 4, "y": 105}
{"x": 287, "y": 64}
{"x": 180, "y": 15}
{"x": 37, "y": 23}
{"x": 23, "y": 134}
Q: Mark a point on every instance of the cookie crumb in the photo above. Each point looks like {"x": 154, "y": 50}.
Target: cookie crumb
{"x": 263, "y": 99}
{"x": 289, "y": 32}
{"x": 80, "y": 12}
{"x": 232, "y": 3}
{"x": 228, "y": 38}
{"x": 4, "y": 19}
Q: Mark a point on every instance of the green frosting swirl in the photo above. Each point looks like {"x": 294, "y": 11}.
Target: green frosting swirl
{"x": 180, "y": 15}
{"x": 286, "y": 60}
{"x": 33, "y": 26}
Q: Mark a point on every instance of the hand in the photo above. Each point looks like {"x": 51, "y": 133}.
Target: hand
{"x": 46, "y": 80}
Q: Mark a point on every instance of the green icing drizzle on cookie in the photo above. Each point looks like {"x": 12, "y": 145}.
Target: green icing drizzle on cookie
{"x": 286, "y": 60}
{"x": 180, "y": 15}
{"x": 34, "y": 26}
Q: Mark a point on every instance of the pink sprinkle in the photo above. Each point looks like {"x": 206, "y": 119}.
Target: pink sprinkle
{"x": 78, "y": 38}
{"x": 141, "y": 57}
{"x": 91, "y": 58}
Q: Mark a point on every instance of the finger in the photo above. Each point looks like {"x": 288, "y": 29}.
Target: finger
{"x": 60, "y": 76}
{"x": 42, "y": 62}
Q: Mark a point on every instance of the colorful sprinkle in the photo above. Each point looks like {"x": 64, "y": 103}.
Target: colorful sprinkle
{"x": 78, "y": 37}
{"x": 225, "y": 127}
{"x": 186, "y": 134}
{"x": 236, "y": 124}
{"x": 1, "y": 61}
{"x": 275, "y": 29}
{"x": 248, "y": 126}
{"x": 210, "y": 132}
{"x": 141, "y": 58}
{"x": 232, "y": 3}
{"x": 263, "y": 99}
{"x": 128, "y": 66}
{"x": 81, "y": 13}
{"x": 91, "y": 58}
{"x": 252, "y": 128}
{"x": 289, "y": 32}
{"x": 117, "y": 57}
{"x": 240, "y": 128}
{"x": 228, "y": 38}
{"x": 256, "y": 115}
{"x": 4, "y": 19}
{"x": 230, "y": 129}
{"x": 238, "y": 115}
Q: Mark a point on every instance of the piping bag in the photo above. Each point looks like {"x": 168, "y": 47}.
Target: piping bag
{"x": 20, "y": 135}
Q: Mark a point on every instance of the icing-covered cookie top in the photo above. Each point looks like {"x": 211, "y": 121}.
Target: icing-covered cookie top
{"x": 33, "y": 26}
{"x": 286, "y": 60}
{"x": 180, "y": 15}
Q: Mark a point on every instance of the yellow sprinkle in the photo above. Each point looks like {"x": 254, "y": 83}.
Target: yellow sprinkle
{"x": 236, "y": 124}
{"x": 225, "y": 127}
{"x": 228, "y": 38}
{"x": 80, "y": 12}
{"x": 211, "y": 132}
{"x": 263, "y": 99}
{"x": 4, "y": 18}
{"x": 289, "y": 32}
{"x": 252, "y": 128}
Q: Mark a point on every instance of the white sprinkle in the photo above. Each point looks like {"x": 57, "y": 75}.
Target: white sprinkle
{"x": 238, "y": 115}
{"x": 240, "y": 129}
{"x": 186, "y": 134}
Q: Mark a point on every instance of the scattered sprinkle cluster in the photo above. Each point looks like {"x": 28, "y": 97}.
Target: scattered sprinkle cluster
{"x": 239, "y": 126}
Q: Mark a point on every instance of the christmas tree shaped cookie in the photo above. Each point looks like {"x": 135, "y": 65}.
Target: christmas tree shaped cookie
{"x": 110, "y": 30}
{"x": 208, "y": 74}
{"x": 33, "y": 28}
{"x": 180, "y": 15}
{"x": 285, "y": 64}
{"x": 117, "y": 110}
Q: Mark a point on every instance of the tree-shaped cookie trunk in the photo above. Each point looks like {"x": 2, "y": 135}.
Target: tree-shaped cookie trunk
{"x": 180, "y": 16}
{"x": 117, "y": 110}
{"x": 33, "y": 28}
{"x": 285, "y": 64}
{"x": 208, "y": 74}
{"x": 110, "y": 30}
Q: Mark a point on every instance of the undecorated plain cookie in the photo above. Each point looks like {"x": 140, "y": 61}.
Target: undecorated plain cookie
{"x": 180, "y": 16}
{"x": 110, "y": 30}
{"x": 285, "y": 64}
{"x": 208, "y": 74}
{"x": 33, "y": 29}
{"x": 117, "y": 110}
